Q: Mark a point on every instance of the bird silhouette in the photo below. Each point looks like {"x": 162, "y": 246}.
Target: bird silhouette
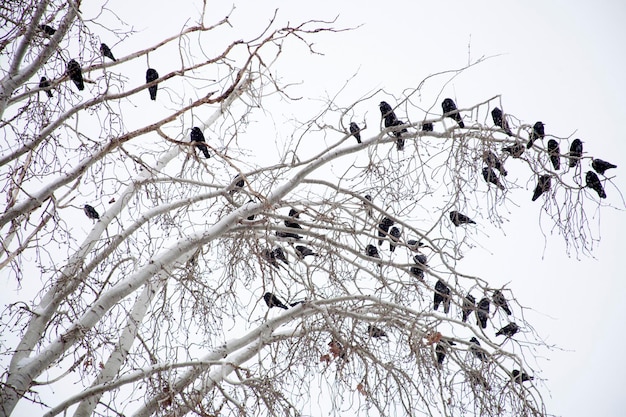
{"x": 450, "y": 110}
{"x": 499, "y": 301}
{"x": 427, "y": 127}
{"x": 538, "y": 132}
{"x": 356, "y": 131}
{"x": 543, "y": 185}
{"x": 270, "y": 257}
{"x": 106, "y": 51}
{"x": 197, "y": 137}
{"x": 516, "y": 150}
{"x": 418, "y": 271}
{"x": 75, "y": 74}
{"x": 598, "y": 165}
{"x": 520, "y": 377}
{"x": 279, "y": 254}
{"x": 442, "y": 349}
{"x": 500, "y": 121}
{"x": 151, "y": 75}
{"x": 302, "y": 252}
{"x": 45, "y": 84}
{"x": 394, "y": 235}
{"x": 575, "y": 152}
{"x": 469, "y": 305}
{"x": 482, "y": 312}
{"x": 374, "y": 331}
{"x": 477, "y": 350}
{"x": 414, "y": 245}
{"x": 91, "y": 212}
{"x": 294, "y": 214}
{"x": 509, "y": 330}
{"x": 459, "y": 219}
{"x": 288, "y": 235}
{"x": 592, "y": 181}
{"x": 391, "y": 120}
{"x": 383, "y": 229}
{"x": 490, "y": 176}
{"x": 238, "y": 183}
{"x": 442, "y": 295}
{"x": 272, "y": 301}
{"x": 250, "y": 217}
{"x": 371, "y": 250}
{"x": 420, "y": 259}
{"x": 47, "y": 30}
{"x": 493, "y": 161}
{"x": 368, "y": 208}
{"x": 555, "y": 154}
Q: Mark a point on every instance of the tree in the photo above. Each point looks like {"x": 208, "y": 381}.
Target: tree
{"x": 157, "y": 304}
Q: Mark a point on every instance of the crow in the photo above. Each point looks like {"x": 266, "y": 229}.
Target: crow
{"x": 294, "y": 214}
{"x": 251, "y": 217}
{"x": 509, "y": 330}
{"x": 441, "y": 349}
{"x": 288, "y": 235}
{"x": 45, "y": 84}
{"x": 418, "y": 271}
{"x": 442, "y": 294}
{"x": 450, "y": 110}
{"x": 482, "y": 313}
{"x": 302, "y": 252}
{"x": 592, "y": 181}
{"x": 91, "y": 212}
{"x": 477, "y": 350}
{"x": 459, "y": 219}
{"x": 272, "y": 301}
{"x": 516, "y": 150}
{"x": 499, "y": 301}
{"x": 575, "y": 152}
{"x": 197, "y": 137}
{"x": 490, "y": 176}
{"x": 394, "y": 235}
{"x": 238, "y": 184}
{"x": 47, "y": 30}
{"x": 414, "y": 245}
{"x": 371, "y": 250}
{"x": 493, "y": 161}
{"x": 279, "y": 254}
{"x": 538, "y": 132}
{"x": 427, "y": 127}
{"x": 500, "y": 121}
{"x": 598, "y": 165}
{"x": 391, "y": 120}
{"x": 543, "y": 185}
{"x": 383, "y": 228}
{"x": 270, "y": 257}
{"x": 374, "y": 331}
{"x": 106, "y": 51}
{"x": 356, "y": 131}
{"x": 151, "y": 75}
{"x": 520, "y": 377}
{"x": 554, "y": 152}
{"x": 75, "y": 74}
{"x": 469, "y": 305}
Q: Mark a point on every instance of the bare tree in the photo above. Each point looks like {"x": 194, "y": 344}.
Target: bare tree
{"x": 158, "y": 297}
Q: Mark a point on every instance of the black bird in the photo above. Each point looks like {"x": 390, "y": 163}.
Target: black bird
{"x": 515, "y": 150}
{"x": 420, "y": 259}
{"x": 91, "y": 212}
{"x": 500, "y": 121}
{"x": 385, "y": 109}
{"x": 270, "y": 257}
{"x": 251, "y": 217}
{"x": 151, "y": 75}
{"x": 106, "y": 51}
{"x": 509, "y": 330}
{"x": 294, "y": 214}
{"x": 482, "y": 313}
{"x": 374, "y": 331}
{"x": 398, "y": 133}
{"x": 538, "y": 132}
{"x": 520, "y": 377}
{"x": 45, "y": 84}
{"x": 598, "y": 165}
{"x": 356, "y": 131}
{"x": 394, "y": 235}
{"x": 288, "y": 235}
{"x": 593, "y": 182}
{"x": 371, "y": 250}
{"x": 469, "y": 305}
{"x": 383, "y": 228}
{"x": 543, "y": 185}
{"x": 418, "y": 271}
{"x": 272, "y": 301}
{"x": 450, "y": 110}
{"x": 279, "y": 254}
{"x": 427, "y": 127}
{"x": 575, "y": 152}
{"x": 554, "y": 152}
{"x": 47, "y": 30}
{"x": 391, "y": 120}
{"x": 197, "y": 137}
{"x": 442, "y": 349}
{"x": 239, "y": 183}
{"x": 493, "y": 161}
{"x": 75, "y": 74}
{"x": 442, "y": 295}
{"x": 302, "y": 252}
{"x": 459, "y": 219}
{"x": 414, "y": 245}
{"x": 368, "y": 208}
{"x": 500, "y": 302}
{"x": 477, "y": 350}
{"x": 490, "y": 176}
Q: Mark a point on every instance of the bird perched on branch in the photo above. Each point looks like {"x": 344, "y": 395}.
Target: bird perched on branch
{"x": 383, "y": 229}
{"x": 356, "y": 131}
{"x": 272, "y": 301}
{"x": 442, "y": 295}
{"x": 47, "y": 30}
{"x": 509, "y": 330}
{"x": 459, "y": 219}
{"x": 592, "y": 181}
{"x": 500, "y": 121}
{"x": 421, "y": 261}
{"x": 197, "y": 137}
{"x": 469, "y": 305}
{"x": 106, "y": 51}
{"x": 374, "y": 331}
{"x": 394, "y": 235}
{"x": 482, "y": 312}
{"x": 516, "y": 150}
{"x": 427, "y": 127}
{"x": 391, "y": 120}
{"x": 152, "y": 75}
{"x": 520, "y": 377}
{"x": 45, "y": 84}
{"x": 477, "y": 350}
{"x": 538, "y": 132}
{"x": 414, "y": 245}
{"x": 442, "y": 349}
{"x": 598, "y": 165}
{"x": 279, "y": 254}
{"x": 543, "y": 185}
{"x": 294, "y": 214}
{"x": 500, "y": 302}
{"x": 75, "y": 74}
{"x": 302, "y": 252}
{"x": 450, "y": 110}
{"x": 368, "y": 208}
{"x": 555, "y": 154}
{"x": 575, "y": 152}
{"x": 490, "y": 176}
{"x": 270, "y": 257}
{"x": 371, "y": 250}
{"x": 91, "y": 212}
{"x": 493, "y": 161}
{"x": 288, "y": 235}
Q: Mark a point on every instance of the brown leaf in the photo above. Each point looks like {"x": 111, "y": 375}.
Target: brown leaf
{"x": 433, "y": 338}
{"x": 361, "y": 389}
